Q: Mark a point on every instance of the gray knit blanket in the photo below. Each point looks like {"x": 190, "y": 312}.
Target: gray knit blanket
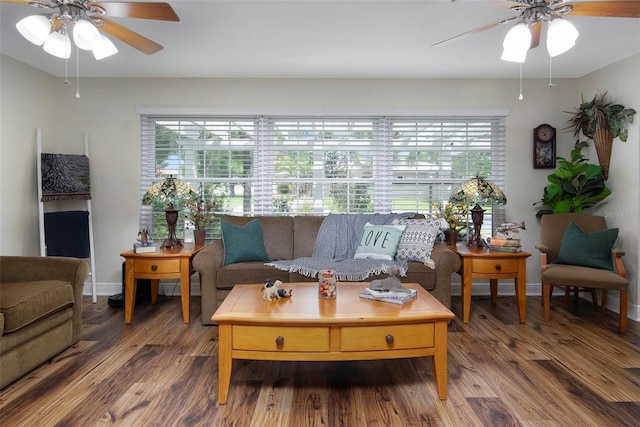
{"x": 337, "y": 242}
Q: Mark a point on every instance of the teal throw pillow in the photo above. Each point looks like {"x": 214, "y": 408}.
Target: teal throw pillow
{"x": 587, "y": 249}
{"x": 379, "y": 241}
{"x": 243, "y": 244}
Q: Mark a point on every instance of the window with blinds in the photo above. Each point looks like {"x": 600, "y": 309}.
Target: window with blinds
{"x": 288, "y": 165}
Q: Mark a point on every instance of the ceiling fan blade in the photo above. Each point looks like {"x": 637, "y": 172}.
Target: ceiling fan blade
{"x": 535, "y": 34}
{"x": 611, "y": 9}
{"x": 25, "y": 2}
{"x": 474, "y": 31}
{"x": 157, "y": 11}
{"x": 131, "y": 38}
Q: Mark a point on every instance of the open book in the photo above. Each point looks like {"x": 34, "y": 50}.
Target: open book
{"x": 388, "y": 296}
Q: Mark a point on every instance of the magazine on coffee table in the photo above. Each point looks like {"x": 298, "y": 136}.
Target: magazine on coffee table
{"x": 393, "y": 297}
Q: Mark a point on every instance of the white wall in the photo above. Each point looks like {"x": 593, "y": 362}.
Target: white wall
{"x": 107, "y": 111}
{"x": 622, "y": 209}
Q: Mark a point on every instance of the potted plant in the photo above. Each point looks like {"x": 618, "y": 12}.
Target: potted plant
{"x": 574, "y": 185}
{"x": 455, "y": 216}
{"x": 200, "y": 214}
{"x": 602, "y": 120}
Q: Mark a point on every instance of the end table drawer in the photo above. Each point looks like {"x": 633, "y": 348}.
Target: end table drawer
{"x": 157, "y": 266}
{"x": 369, "y": 338}
{"x": 495, "y": 265}
{"x": 272, "y": 338}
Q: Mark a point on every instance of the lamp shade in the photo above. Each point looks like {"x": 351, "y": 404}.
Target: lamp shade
{"x": 561, "y": 36}
{"x": 478, "y": 191}
{"x": 58, "y": 44}
{"x": 104, "y": 49}
{"x": 516, "y": 43}
{"x": 35, "y": 28}
{"x": 170, "y": 190}
{"x": 85, "y": 35}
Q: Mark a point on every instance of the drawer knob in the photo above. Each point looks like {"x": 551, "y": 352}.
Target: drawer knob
{"x": 279, "y": 340}
{"x": 389, "y": 338}
{"x": 498, "y": 267}
{"x": 154, "y": 267}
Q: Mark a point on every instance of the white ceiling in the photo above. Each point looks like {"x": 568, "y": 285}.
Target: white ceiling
{"x": 330, "y": 39}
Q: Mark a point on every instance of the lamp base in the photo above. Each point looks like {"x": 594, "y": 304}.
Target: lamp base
{"x": 171, "y": 214}
{"x": 477, "y": 215}
{"x": 171, "y": 243}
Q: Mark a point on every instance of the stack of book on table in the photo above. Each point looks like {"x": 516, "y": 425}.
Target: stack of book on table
{"x": 141, "y": 248}
{"x": 504, "y": 245}
{"x": 393, "y": 297}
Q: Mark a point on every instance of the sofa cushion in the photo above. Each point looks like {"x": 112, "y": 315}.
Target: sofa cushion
{"x": 379, "y": 241}
{"x": 23, "y": 303}
{"x": 243, "y": 243}
{"x": 587, "y": 249}
{"x": 418, "y": 239}
{"x": 277, "y": 233}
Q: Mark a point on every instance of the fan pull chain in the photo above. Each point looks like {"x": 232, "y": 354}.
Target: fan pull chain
{"x": 77, "y": 73}
{"x": 550, "y": 82}
{"x": 520, "y": 97}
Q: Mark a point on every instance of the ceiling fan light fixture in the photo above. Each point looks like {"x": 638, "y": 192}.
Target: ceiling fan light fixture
{"x": 561, "y": 36}
{"x": 516, "y": 43}
{"x": 104, "y": 49}
{"x": 58, "y": 44}
{"x": 35, "y": 28}
{"x": 85, "y": 35}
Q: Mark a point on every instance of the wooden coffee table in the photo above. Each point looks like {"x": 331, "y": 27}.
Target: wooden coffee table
{"x": 307, "y": 328}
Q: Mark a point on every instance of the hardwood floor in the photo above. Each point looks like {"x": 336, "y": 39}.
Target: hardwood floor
{"x": 576, "y": 370}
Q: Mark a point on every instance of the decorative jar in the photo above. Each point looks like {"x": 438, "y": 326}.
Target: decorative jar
{"x": 327, "y": 285}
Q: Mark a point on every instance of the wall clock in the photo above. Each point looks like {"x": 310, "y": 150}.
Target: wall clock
{"x": 544, "y": 147}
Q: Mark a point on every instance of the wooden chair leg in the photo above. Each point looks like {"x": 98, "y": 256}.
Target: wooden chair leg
{"x": 594, "y": 298}
{"x": 604, "y": 300}
{"x": 567, "y": 296}
{"x": 623, "y": 311}
{"x": 546, "y": 297}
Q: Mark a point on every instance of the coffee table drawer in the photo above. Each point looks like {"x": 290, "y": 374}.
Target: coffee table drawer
{"x": 272, "y": 338}
{"x": 495, "y": 265}
{"x": 153, "y": 266}
{"x": 368, "y": 338}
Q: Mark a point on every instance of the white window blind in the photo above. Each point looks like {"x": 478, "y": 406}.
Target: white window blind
{"x": 286, "y": 165}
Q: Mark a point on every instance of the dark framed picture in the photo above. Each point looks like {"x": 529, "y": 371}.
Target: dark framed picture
{"x": 544, "y": 147}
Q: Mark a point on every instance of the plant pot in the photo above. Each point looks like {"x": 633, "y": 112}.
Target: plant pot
{"x": 451, "y": 237}
{"x": 603, "y": 140}
{"x": 199, "y": 236}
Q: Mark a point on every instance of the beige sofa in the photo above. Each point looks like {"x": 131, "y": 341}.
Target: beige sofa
{"x": 40, "y": 310}
{"x": 291, "y": 237}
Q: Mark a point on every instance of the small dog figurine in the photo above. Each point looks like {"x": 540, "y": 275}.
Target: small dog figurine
{"x": 270, "y": 290}
{"x": 143, "y": 236}
{"x": 283, "y": 293}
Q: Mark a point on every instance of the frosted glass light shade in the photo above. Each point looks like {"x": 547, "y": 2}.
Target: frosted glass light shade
{"x": 58, "y": 44}
{"x": 85, "y": 35}
{"x": 516, "y": 43}
{"x": 35, "y": 28}
{"x": 561, "y": 36}
{"x": 104, "y": 49}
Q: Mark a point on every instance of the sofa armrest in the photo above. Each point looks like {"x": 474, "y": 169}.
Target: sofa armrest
{"x": 72, "y": 270}
{"x": 207, "y": 262}
{"x": 447, "y": 262}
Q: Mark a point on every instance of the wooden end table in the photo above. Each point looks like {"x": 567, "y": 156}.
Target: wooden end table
{"x": 482, "y": 263}
{"x": 163, "y": 264}
{"x": 307, "y": 328}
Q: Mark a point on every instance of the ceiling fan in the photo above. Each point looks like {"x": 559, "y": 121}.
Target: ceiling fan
{"x": 532, "y": 13}
{"x": 87, "y": 19}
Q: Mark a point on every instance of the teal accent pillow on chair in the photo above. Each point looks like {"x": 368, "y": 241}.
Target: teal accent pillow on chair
{"x": 243, "y": 244}
{"x": 587, "y": 249}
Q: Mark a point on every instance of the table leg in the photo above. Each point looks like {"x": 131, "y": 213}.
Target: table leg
{"x": 521, "y": 290}
{"x": 129, "y": 292}
{"x": 466, "y": 293}
{"x": 185, "y": 289}
{"x": 440, "y": 359}
{"x": 225, "y": 362}
{"x": 493, "y": 284}
{"x": 155, "y": 286}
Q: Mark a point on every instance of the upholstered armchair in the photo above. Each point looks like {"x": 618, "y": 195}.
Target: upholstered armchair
{"x": 576, "y": 252}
